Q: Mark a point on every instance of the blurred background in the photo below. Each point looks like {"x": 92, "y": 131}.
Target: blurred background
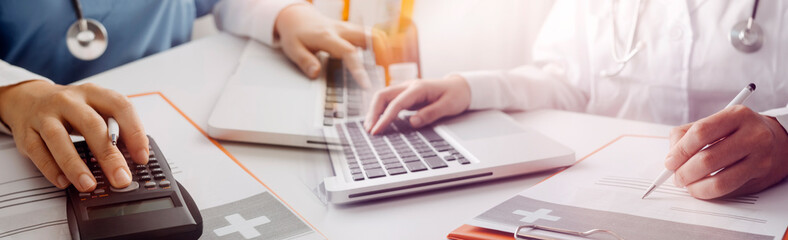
{"x": 453, "y": 35}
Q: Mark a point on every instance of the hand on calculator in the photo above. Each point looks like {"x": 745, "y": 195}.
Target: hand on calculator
{"x": 41, "y": 115}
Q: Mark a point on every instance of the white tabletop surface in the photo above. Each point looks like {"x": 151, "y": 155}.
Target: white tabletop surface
{"x": 193, "y": 75}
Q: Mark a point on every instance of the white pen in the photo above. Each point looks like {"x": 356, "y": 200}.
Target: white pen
{"x": 739, "y": 99}
{"x": 113, "y": 130}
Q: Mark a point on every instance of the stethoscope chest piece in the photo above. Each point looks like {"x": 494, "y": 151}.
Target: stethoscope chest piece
{"x": 746, "y": 38}
{"x": 86, "y": 39}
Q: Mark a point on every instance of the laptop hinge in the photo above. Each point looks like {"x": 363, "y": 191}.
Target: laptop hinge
{"x": 364, "y": 194}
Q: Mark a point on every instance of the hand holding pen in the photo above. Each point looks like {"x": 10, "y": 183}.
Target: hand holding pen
{"x": 752, "y": 150}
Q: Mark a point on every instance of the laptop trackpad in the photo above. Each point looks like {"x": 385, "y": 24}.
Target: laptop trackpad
{"x": 482, "y": 125}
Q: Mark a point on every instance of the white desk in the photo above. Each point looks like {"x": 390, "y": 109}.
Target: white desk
{"x": 193, "y": 75}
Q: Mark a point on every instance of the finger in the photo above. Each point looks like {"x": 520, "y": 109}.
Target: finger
{"x": 331, "y": 43}
{"x": 354, "y": 34}
{"x": 34, "y": 148}
{"x": 724, "y": 182}
{"x": 678, "y": 132}
{"x": 56, "y": 138}
{"x": 407, "y": 98}
{"x": 355, "y": 65}
{"x": 302, "y": 57}
{"x": 379, "y": 103}
{"x": 701, "y": 133}
{"x": 341, "y": 48}
{"x": 132, "y": 131}
{"x": 434, "y": 111}
{"x": 93, "y": 127}
{"x": 716, "y": 157}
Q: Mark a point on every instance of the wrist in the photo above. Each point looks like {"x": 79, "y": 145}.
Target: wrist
{"x": 775, "y": 124}
{"x": 10, "y": 95}
{"x": 464, "y": 89}
{"x": 287, "y": 16}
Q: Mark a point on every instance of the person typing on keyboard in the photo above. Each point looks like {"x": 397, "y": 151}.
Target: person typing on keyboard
{"x": 668, "y": 80}
{"x": 40, "y": 110}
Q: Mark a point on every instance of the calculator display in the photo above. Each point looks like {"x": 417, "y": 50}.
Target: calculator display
{"x": 128, "y": 208}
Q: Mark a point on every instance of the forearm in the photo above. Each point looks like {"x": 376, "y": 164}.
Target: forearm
{"x": 524, "y": 88}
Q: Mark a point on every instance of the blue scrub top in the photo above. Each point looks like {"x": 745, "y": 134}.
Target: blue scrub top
{"x": 33, "y": 32}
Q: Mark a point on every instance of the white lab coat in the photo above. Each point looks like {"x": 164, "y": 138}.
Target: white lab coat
{"x": 686, "y": 70}
{"x": 250, "y": 18}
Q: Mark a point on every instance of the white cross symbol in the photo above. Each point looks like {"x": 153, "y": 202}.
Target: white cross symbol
{"x": 242, "y": 226}
{"x": 531, "y": 217}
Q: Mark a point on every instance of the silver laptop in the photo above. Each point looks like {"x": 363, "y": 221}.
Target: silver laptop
{"x": 472, "y": 147}
{"x": 268, "y": 100}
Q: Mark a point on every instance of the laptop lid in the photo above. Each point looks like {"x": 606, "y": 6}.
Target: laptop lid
{"x": 268, "y": 100}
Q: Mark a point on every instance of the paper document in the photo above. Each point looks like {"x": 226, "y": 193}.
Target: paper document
{"x": 233, "y": 204}
{"x": 604, "y": 191}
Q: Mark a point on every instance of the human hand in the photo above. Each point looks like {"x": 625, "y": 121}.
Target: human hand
{"x": 41, "y": 115}
{"x": 434, "y": 99}
{"x": 302, "y": 31}
{"x": 754, "y": 154}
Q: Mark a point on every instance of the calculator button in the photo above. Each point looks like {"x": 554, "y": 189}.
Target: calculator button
{"x": 150, "y": 184}
{"x": 143, "y": 172}
{"x": 100, "y": 183}
{"x": 145, "y": 178}
{"x": 99, "y": 191}
{"x": 93, "y": 159}
{"x": 156, "y": 170}
{"x": 133, "y": 186}
{"x": 154, "y": 165}
{"x": 96, "y": 172}
{"x": 84, "y": 194}
{"x": 159, "y": 176}
{"x": 164, "y": 183}
{"x": 140, "y": 167}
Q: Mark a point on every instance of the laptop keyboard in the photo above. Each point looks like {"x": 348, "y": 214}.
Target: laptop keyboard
{"x": 399, "y": 150}
{"x": 343, "y": 95}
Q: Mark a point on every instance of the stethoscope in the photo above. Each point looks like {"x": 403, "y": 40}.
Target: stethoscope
{"x": 86, "y": 38}
{"x": 746, "y": 36}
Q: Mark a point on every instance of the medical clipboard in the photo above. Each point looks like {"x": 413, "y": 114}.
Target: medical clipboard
{"x": 470, "y": 232}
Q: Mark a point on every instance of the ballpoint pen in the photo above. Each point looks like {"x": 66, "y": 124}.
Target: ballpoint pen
{"x": 739, "y": 99}
{"x": 113, "y": 130}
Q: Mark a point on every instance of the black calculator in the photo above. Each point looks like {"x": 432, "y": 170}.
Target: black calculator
{"x": 153, "y": 206}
